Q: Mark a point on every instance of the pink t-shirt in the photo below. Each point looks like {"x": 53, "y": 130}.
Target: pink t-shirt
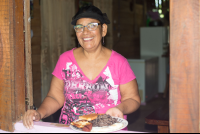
{"x": 84, "y": 96}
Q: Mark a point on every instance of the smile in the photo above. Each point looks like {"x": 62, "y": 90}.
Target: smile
{"x": 86, "y": 39}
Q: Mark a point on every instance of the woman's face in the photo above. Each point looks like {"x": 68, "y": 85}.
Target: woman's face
{"x": 90, "y": 40}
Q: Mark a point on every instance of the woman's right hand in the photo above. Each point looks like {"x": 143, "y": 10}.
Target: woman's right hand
{"x": 29, "y": 117}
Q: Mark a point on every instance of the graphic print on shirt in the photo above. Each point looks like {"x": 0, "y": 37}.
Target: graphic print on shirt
{"x": 83, "y": 97}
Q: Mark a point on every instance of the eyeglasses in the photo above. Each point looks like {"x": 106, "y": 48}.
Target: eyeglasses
{"x": 90, "y": 26}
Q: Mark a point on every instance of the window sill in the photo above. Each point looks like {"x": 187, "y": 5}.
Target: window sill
{"x": 46, "y": 127}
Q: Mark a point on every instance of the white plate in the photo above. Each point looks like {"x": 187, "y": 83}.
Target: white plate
{"x": 115, "y": 127}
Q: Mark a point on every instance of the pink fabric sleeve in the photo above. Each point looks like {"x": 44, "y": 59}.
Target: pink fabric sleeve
{"x": 57, "y": 70}
{"x": 126, "y": 73}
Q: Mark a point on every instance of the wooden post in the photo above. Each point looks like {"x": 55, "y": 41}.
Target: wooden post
{"x": 28, "y": 61}
{"x": 184, "y": 66}
{"x": 12, "y": 80}
{"x": 199, "y": 74}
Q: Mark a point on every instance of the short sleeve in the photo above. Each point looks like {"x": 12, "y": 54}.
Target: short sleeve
{"x": 57, "y": 72}
{"x": 126, "y": 73}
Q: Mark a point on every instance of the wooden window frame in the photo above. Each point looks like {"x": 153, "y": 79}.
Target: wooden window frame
{"x": 184, "y": 64}
{"x": 15, "y": 69}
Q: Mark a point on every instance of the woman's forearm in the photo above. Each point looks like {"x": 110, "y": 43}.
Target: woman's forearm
{"x": 48, "y": 107}
{"x": 128, "y": 106}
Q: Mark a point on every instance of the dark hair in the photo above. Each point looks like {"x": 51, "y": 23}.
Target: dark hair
{"x": 90, "y": 12}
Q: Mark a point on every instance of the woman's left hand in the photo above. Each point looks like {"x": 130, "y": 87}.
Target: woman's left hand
{"x": 115, "y": 112}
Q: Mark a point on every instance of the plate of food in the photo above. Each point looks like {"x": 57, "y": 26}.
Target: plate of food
{"x": 98, "y": 123}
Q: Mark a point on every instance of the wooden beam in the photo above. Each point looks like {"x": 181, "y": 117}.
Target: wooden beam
{"x": 199, "y": 73}
{"x": 12, "y": 80}
{"x": 18, "y": 45}
{"x": 184, "y": 66}
{"x": 28, "y": 61}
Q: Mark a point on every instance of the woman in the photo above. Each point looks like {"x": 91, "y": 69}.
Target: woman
{"x": 89, "y": 79}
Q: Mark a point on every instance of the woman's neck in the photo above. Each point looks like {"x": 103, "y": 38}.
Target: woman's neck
{"x": 94, "y": 54}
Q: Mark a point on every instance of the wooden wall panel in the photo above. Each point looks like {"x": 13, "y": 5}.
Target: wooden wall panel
{"x": 12, "y": 75}
{"x": 127, "y": 20}
{"x": 106, "y": 7}
{"x": 184, "y": 66}
{"x": 36, "y": 52}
